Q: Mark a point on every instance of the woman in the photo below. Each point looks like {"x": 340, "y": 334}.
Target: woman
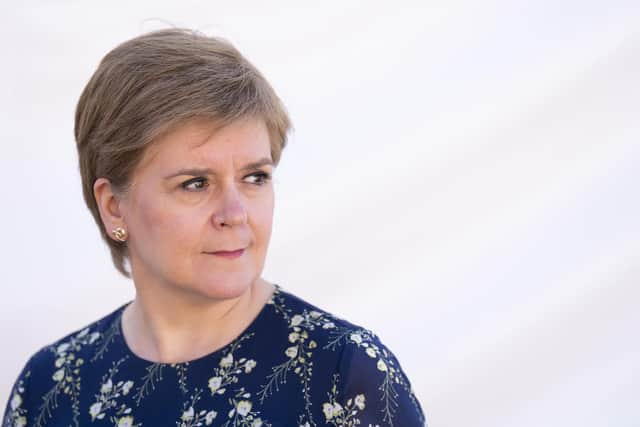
{"x": 178, "y": 136}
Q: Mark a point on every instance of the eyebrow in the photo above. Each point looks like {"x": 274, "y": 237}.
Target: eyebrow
{"x": 207, "y": 171}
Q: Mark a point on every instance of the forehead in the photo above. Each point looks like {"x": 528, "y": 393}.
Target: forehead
{"x": 205, "y": 140}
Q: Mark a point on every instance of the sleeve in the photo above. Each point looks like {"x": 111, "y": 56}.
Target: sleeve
{"x": 371, "y": 387}
{"x": 15, "y": 414}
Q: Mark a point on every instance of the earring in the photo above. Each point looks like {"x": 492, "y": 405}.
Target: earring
{"x": 120, "y": 234}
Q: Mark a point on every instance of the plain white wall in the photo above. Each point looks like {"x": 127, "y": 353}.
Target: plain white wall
{"x": 463, "y": 179}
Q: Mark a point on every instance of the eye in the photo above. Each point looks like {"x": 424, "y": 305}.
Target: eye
{"x": 261, "y": 178}
{"x": 195, "y": 184}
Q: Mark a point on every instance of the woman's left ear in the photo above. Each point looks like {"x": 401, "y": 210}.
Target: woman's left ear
{"x": 109, "y": 205}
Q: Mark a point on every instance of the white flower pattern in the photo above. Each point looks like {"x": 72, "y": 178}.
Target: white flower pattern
{"x": 106, "y": 401}
{"x": 292, "y": 353}
{"x": 16, "y": 415}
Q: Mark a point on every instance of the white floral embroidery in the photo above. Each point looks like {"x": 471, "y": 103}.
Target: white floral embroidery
{"x": 209, "y": 416}
{"x": 16, "y": 416}
{"x": 214, "y": 384}
{"x": 107, "y": 399}
{"x": 126, "y": 421}
{"x": 95, "y": 409}
{"x": 191, "y": 417}
{"x": 339, "y": 415}
{"x": 243, "y": 407}
{"x": 66, "y": 378}
{"x": 188, "y": 414}
{"x": 229, "y": 368}
{"x": 359, "y": 401}
{"x": 391, "y": 374}
{"x": 127, "y": 387}
{"x": 16, "y": 401}
{"x": 291, "y": 352}
{"x": 299, "y": 355}
{"x": 149, "y": 381}
{"x": 226, "y": 361}
{"x": 58, "y": 375}
{"x": 242, "y": 413}
{"x": 297, "y": 320}
{"x": 106, "y": 387}
{"x": 356, "y": 338}
{"x": 308, "y": 334}
{"x": 248, "y": 367}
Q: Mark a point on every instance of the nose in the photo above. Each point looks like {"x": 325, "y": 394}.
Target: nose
{"x": 230, "y": 209}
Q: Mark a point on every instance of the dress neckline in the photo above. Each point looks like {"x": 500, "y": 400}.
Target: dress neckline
{"x": 215, "y": 353}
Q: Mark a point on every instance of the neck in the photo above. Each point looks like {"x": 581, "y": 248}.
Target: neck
{"x": 171, "y": 327}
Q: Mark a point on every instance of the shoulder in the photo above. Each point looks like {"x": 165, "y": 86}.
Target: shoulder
{"x": 328, "y": 331}
{"x": 50, "y": 367}
{"x": 82, "y": 343}
{"x": 367, "y": 378}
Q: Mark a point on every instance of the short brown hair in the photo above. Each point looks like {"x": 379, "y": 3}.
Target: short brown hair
{"x": 147, "y": 86}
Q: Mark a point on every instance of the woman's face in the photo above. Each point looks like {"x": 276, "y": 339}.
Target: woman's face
{"x": 199, "y": 190}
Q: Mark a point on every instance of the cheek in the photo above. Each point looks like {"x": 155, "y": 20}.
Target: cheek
{"x": 164, "y": 226}
{"x": 263, "y": 220}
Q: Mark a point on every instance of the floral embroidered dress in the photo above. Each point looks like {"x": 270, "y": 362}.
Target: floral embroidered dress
{"x": 294, "y": 365}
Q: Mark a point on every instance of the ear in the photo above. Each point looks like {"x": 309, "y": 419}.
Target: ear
{"x": 109, "y": 204}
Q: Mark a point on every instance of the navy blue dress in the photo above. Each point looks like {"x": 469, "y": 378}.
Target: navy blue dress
{"x": 295, "y": 365}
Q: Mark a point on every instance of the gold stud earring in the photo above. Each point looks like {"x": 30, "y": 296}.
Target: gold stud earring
{"x": 120, "y": 234}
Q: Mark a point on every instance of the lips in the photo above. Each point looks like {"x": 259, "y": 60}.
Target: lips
{"x": 237, "y": 251}
{"x": 228, "y": 254}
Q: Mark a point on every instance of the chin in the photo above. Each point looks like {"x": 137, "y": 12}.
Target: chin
{"x": 225, "y": 285}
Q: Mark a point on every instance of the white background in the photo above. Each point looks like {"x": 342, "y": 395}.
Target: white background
{"x": 463, "y": 179}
